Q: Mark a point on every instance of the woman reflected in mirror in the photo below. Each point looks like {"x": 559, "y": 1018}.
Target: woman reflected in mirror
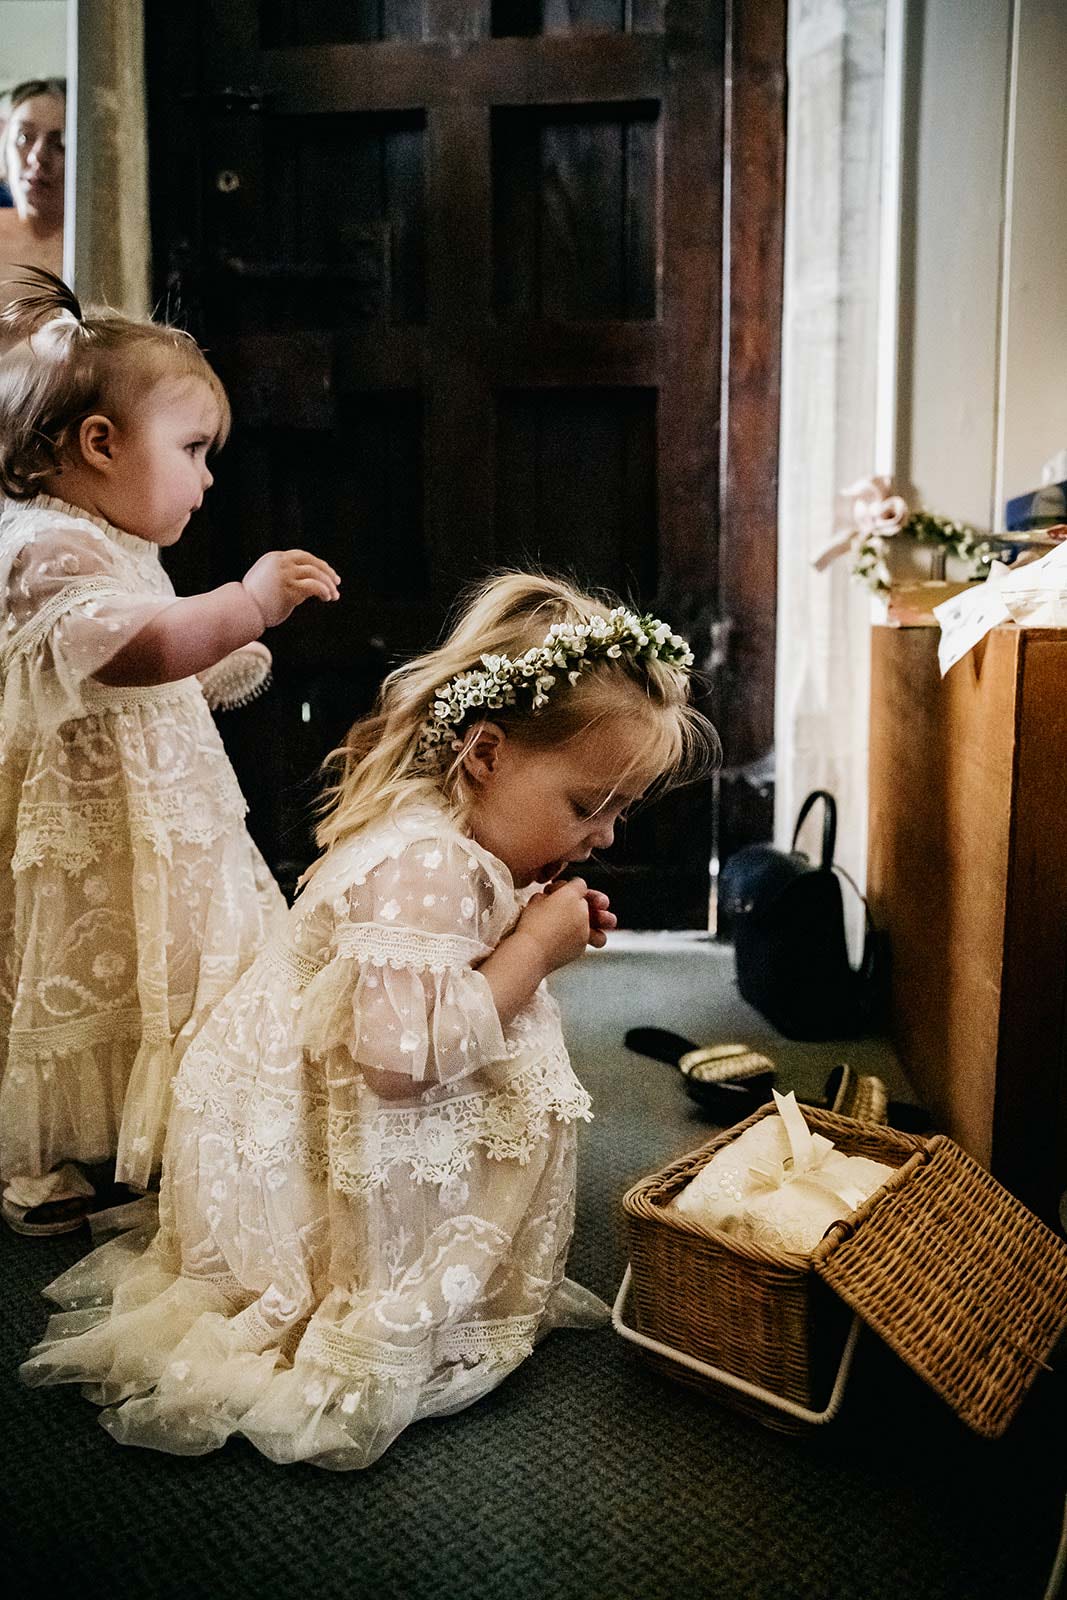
{"x": 33, "y": 161}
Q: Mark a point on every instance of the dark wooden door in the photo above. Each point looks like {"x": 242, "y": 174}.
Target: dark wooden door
{"x": 462, "y": 267}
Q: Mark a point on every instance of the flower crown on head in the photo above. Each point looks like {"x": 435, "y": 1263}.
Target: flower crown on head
{"x": 570, "y": 647}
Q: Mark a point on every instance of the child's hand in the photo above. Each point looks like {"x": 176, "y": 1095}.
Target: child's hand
{"x": 558, "y": 922}
{"x": 283, "y": 579}
{"x": 601, "y": 920}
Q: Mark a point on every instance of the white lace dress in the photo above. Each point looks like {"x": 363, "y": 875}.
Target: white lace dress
{"x": 332, "y": 1265}
{"x": 131, "y": 895}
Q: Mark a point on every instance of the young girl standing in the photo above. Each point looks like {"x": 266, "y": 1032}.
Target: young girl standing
{"x": 132, "y": 895}
{"x": 368, "y": 1188}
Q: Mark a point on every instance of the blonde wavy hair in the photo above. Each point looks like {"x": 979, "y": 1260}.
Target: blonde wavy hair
{"x": 380, "y": 763}
{"x": 59, "y": 365}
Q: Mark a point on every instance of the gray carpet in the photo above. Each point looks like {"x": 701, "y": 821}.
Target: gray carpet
{"x": 587, "y": 1476}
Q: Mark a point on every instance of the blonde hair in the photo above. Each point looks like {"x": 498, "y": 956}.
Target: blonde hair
{"x": 380, "y": 763}
{"x": 62, "y": 365}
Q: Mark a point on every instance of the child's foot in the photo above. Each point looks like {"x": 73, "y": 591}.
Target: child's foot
{"x": 39, "y": 1207}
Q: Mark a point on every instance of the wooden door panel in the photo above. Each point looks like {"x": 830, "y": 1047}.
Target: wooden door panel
{"x": 576, "y": 199}
{"x": 527, "y": 18}
{"x": 462, "y": 268}
{"x": 312, "y": 22}
{"x": 314, "y": 221}
{"x": 576, "y": 484}
{"x": 325, "y": 490}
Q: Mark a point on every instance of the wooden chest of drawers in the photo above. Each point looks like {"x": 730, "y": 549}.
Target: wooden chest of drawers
{"x": 968, "y": 872}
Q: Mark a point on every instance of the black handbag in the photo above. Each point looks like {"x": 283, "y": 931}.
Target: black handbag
{"x": 787, "y": 918}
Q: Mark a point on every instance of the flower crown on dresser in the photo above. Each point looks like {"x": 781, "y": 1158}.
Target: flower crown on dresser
{"x": 570, "y": 648}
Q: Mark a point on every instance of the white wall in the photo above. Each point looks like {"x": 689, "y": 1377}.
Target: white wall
{"x": 983, "y": 303}
{"x": 1034, "y": 374}
{"x": 33, "y": 40}
{"x": 830, "y": 351}
{"x": 955, "y": 130}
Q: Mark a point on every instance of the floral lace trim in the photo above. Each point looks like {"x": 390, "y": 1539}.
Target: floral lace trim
{"x": 507, "y": 1339}
{"x": 77, "y": 833}
{"x": 115, "y": 697}
{"x": 145, "y": 556}
{"x": 350, "y": 1355}
{"x": 288, "y": 964}
{"x": 272, "y": 1127}
{"x": 251, "y": 1331}
{"x": 41, "y": 623}
{"x": 228, "y": 1286}
{"x": 68, "y": 1038}
{"x": 408, "y": 947}
{"x": 380, "y": 946}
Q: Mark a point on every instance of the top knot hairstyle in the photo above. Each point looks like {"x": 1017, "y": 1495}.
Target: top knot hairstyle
{"x": 59, "y": 365}
{"x": 591, "y": 662}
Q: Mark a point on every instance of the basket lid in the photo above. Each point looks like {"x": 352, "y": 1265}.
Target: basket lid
{"x": 959, "y": 1278}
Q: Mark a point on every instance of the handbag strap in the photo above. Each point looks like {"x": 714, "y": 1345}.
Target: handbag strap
{"x": 829, "y": 824}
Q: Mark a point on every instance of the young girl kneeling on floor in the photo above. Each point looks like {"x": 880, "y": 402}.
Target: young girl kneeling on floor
{"x": 368, "y": 1189}
{"x": 131, "y": 895}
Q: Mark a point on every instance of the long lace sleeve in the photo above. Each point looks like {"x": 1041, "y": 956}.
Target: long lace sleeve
{"x": 67, "y": 607}
{"x": 401, "y": 993}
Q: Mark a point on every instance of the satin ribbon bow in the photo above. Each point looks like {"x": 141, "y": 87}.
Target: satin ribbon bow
{"x": 811, "y": 1160}
{"x": 866, "y": 508}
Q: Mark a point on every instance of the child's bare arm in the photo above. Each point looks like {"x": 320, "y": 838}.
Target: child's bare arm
{"x": 195, "y": 633}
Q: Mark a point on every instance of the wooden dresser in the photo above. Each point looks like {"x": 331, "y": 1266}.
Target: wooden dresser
{"x": 968, "y": 872}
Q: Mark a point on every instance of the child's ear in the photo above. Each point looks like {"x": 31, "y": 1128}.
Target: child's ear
{"x": 96, "y": 442}
{"x": 483, "y": 753}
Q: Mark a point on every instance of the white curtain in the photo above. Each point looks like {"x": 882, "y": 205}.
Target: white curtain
{"x": 111, "y": 247}
{"x": 829, "y": 399}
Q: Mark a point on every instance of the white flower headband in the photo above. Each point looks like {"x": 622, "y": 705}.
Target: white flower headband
{"x": 570, "y": 647}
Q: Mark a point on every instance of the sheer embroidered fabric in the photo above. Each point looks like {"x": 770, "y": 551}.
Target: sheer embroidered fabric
{"x": 136, "y": 897}
{"x": 332, "y": 1265}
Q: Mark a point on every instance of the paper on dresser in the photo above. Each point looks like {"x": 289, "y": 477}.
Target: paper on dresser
{"x": 1033, "y": 595}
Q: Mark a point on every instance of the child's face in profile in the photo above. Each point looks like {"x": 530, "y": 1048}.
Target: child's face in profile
{"x": 161, "y": 456}
{"x": 538, "y": 809}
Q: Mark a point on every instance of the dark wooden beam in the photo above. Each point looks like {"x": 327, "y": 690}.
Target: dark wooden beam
{"x": 556, "y": 70}
{"x": 691, "y": 276}
{"x": 542, "y": 354}
{"x": 748, "y": 537}
{"x": 459, "y": 401}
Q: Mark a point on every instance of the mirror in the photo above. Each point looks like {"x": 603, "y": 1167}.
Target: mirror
{"x": 36, "y": 203}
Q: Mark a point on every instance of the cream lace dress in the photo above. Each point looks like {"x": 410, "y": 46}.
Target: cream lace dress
{"x": 332, "y": 1265}
{"x": 131, "y": 895}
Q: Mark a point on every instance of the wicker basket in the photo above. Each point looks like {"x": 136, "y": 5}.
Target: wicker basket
{"x": 948, "y": 1268}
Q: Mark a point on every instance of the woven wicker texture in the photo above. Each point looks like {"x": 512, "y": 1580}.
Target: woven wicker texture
{"x": 960, "y": 1279}
{"x": 759, "y": 1314}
